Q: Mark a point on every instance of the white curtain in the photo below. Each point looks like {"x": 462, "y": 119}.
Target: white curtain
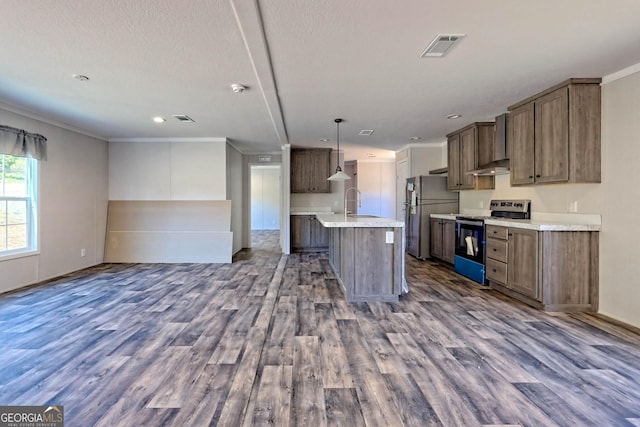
{"x": 17, "y": 142}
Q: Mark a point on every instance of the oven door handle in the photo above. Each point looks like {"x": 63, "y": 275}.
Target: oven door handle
{"x": 467, "y": 222}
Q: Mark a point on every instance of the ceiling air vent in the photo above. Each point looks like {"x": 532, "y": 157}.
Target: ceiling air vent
{"x": 184, "y": 118}
{"x": 366, "y": 132}
{"x": 441, "y": 45}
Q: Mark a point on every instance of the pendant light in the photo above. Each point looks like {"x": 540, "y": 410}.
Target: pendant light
{"x": 339, "y": 175}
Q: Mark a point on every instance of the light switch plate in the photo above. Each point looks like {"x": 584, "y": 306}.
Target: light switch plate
{"x": 389, "y": 237}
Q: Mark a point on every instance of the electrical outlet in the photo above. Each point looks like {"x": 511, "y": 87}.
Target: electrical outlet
{"x": 481, "y": 204}
{"x": 389, "y": 237}
{"x": 573, "y": 206}
{"x": 83, "y": 252}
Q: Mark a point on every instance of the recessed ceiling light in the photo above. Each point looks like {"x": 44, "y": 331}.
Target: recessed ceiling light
{"x": 81, "y": 77}
{"x": 414, "y": 138}
{"x": 159, "y": 119}
{"x": 366, "y": 132}
{"x": 324, "y": 139}
{"x": 454, "y": 116}
{"x": 370, "y": 155}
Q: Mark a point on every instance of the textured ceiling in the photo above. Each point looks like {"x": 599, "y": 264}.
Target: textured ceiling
{"x": 305, "y": 63}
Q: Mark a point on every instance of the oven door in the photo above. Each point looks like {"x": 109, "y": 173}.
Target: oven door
{"x": 469, "y": 259}
{"x": 470, "y": 239}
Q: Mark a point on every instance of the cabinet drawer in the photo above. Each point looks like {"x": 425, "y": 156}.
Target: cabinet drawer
{"x": 497, "y": 232}
{"x": 497, "y": 249}
{"x": 496, "y": 271}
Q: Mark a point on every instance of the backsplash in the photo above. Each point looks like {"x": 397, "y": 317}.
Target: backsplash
{"x": 557, "y": 198}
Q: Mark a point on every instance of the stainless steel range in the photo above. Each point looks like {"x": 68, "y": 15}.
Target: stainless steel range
{"x": 470, "y": 236}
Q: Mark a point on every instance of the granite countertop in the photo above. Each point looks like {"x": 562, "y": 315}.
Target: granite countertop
{"x": 310, "y": 212}
{"x": 444, "y": 216}
{"x": 539, "y": 225}
{"x": 339, "y": 220}
{"x": 552, "y": 222}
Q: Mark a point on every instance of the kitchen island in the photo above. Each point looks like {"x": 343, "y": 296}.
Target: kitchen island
{"x": 367, "y": 256}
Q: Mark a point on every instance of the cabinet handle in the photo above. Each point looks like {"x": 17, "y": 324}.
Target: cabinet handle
{"x": 530, "y": 176}
{"x": 495, "y": 232}
{"x": 495, "y": 271}
{"x": 537, "y": 176}
{"x": 510, "y": 234}
{"x": 495, "y": 250}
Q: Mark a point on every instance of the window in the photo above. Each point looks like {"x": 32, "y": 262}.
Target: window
{"x": 18, "y": 204}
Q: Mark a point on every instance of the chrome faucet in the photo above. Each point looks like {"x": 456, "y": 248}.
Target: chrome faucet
{"x": 358, "y": 200}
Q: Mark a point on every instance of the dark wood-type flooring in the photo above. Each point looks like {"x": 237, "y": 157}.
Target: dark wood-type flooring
{"x": 270, "y": 340}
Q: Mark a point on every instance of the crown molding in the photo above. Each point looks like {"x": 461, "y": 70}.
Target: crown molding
{"x": 169, "y": 139}
{"x": 621, "y": 74}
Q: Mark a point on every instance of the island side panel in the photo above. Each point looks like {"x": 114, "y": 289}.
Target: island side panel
{"x": 334, "y": 250}
{"x": 347, "y": 261}
{"x": 377, "y": 268}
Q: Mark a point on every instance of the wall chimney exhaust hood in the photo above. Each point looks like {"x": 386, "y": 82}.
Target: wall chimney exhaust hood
{"x": 500, "y": 163}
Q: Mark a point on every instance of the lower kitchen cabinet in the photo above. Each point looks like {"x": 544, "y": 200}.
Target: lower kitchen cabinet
{"x": 522, "y": 274}
{"x": 551, "y": 270}
{"x": 308, "y": 235}
{"x": 443, "y": 239}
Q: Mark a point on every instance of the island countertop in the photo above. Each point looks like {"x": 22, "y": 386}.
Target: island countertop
{"x": 350, "y": 221}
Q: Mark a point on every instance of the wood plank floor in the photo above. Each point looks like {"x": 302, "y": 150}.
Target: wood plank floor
{"x": 270, "y": 340}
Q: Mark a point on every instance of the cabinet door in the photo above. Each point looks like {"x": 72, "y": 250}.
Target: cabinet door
{"x": 522, "y": 139}
{"x": 320, "y": 170}
{"x": 453, "y": 162}
{"x": 310, "y": 169}
{"x": 448, "y": 240}
{"x": 320, "y": 235}
{"x": 468, "y": 159}
{"x": 523, "y": 262}
{"x": 436, "y": 238}
{"x": 300, "y": 231}
{"x": 300, "y": 177}
{"x": 552, "y": 137}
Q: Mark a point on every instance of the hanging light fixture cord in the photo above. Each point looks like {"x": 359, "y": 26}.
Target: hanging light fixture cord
{"x": 339, "y": 175}
{"x": 338, "y": 121}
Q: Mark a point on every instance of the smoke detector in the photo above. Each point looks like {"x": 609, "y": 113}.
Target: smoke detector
{"x": 238, "y": 88}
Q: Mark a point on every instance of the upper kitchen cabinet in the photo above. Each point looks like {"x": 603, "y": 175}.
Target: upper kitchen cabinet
{"x": 310, "y": 169}
{"x": 555, "y": 135}
{"x": 465, "y": 148}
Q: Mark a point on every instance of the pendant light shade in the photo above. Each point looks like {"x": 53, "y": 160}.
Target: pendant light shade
{"x": 339, "y": 175}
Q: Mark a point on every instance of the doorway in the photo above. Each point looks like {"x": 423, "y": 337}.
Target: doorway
{"x": 265, "y": 205}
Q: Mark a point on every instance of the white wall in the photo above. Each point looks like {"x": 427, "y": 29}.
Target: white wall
{"x": 265, "y": 197}
{"x": 235, "y": 187}
{"x": 73, "y": 205}
{"x": 554, "y": 198}
{"x": 620, "y": 194}
{"x": 167, "y": 170}
{"x": 377, "y": 185}
{"x": 617, "y": 199}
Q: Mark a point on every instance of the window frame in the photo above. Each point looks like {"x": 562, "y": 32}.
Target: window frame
{"x": 32, "y": 211}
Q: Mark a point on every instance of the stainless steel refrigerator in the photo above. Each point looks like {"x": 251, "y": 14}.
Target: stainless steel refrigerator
{"x": 425, "y": 195}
